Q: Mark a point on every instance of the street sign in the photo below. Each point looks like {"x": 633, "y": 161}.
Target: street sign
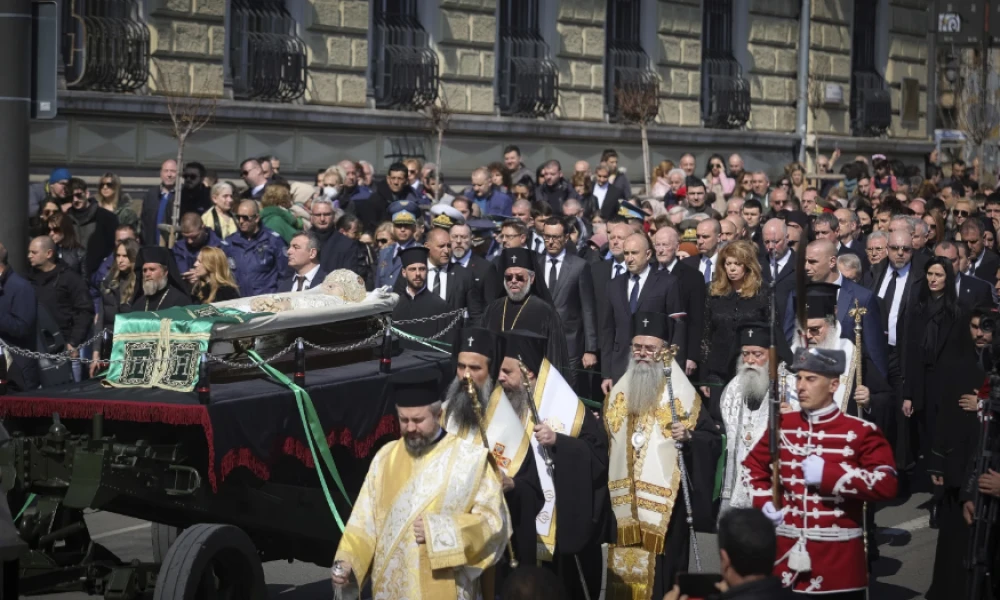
{"x": 45, "y": 59}
{"x": 961, "y": 23}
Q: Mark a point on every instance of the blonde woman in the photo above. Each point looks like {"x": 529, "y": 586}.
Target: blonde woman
{"x": 111, "y": 198}
{"x": 797, "y": 174}
{"x": 215, "y": 282}
{"x": 220, "y": 217}
{"x": 735, "y": 295}
{"x": 660, "y": 184}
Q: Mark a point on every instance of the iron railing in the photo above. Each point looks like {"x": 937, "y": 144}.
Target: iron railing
{"x": 871, "y": 108}
{"x": 105, "y": 45}
{"x": 725, "y": 94}
{"x": 404, "y": 68}
{"x": 627, "y": 75}
{"x": 527, "y": 79}
{"x": 267, "y": 59}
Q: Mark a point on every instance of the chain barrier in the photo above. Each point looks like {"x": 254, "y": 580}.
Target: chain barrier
{"x": 60, "y": 357}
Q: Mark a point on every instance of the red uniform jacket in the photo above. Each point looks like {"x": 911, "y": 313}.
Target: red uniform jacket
{"x": 858, "y": 468}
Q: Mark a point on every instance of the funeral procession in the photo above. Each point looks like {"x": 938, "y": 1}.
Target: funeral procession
{"x": 500, "y": 300}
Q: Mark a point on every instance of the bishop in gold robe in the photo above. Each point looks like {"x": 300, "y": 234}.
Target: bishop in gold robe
{"x": 430, "y": 516}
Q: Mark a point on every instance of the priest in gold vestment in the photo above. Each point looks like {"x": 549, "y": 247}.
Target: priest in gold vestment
{"x": 653, "y": 537}
{"x": 430, "y": 516}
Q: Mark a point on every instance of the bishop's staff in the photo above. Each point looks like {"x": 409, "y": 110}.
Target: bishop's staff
{"x": 474, "y": 398}
{"x": 550, "y": 465}
{"x": 774, "y": 412}
{"x": 667, "y": 356}
{"x": 857, "y": 312}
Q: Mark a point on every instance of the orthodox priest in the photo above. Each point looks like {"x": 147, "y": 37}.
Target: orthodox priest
{"x": 477, "y": 360}
{"x": 430, "y": 517}
{"x": 745, "y": 407}
{"x": 525, "y": 306}
{"x": 653, "y": 538}
{"x": 162, "y": 285}
{"x": 575, "y": 519}
{"x": 417, "y": 302}
{"x": 830, "y": 465}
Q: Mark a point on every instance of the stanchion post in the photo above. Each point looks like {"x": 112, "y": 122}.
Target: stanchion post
{"x": 300, "y": 363}
{"x": 386, "y": 365}
{"x": 204, "y": 384}
{"x": 3, "y": 371}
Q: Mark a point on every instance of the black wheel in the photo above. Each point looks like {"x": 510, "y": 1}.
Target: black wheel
{"x": 211, "y": 562}
{"x": 164, "y": 537}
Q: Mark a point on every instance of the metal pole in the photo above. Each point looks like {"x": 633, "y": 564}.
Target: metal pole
{"x": 802, "y": 106}
{"x": 15, "y": 117}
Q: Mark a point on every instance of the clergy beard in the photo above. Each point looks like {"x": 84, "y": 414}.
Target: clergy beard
{"x": 755, "y": 382}
{"x": 460, "y": 407}
{"x": 517, "y": 296}
{"x": 518, "y": 398}
{"x": 153, "y": 287}
{"x": 645, "y": 379}
{"x": 418, "y": 444}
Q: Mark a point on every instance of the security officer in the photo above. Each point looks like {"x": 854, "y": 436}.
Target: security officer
{"x": 404, "y": 215}
{"x": 256, "y": 254}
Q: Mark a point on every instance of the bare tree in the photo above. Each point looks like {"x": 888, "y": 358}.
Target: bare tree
{"x": 977, "y": 102}
{"x": 639, "y": 105}
{"x": 438, "y": 115}
{"x": 188, "y": 114}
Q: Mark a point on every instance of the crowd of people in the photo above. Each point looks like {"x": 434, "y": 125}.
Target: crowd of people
{"x": 882, "y": 279}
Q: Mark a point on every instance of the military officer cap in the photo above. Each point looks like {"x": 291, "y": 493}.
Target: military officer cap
{"x": 754, "y": 333}
{"x": 653, "y": 324}
{"x": 830, "y": 363}
{"x": 821, "y": 300}
{"x": 630, "y": 211}
{"x": 445, "y": 216}
{"x": 517, "y": 257}
{"x": 404, "y": 212}
{"x": 419, "y": 387}
{"x": 412, "y": 255}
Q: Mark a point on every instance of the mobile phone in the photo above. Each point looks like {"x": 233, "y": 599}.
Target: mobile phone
{"x": 698, "y": 585}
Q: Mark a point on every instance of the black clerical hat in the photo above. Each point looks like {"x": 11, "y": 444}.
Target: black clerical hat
{"x": 419, "y": 387}
{"x": 414, "y": 254}
{"x": 527, "y": 347}
{"x": 821, "y": 299}
{"x": 753, "y": 333}
{"x": 517, "y": 257}
{"x": 161, "y": 256}
{"x": 651, "y": 323}
{"x": 477, "y": 340}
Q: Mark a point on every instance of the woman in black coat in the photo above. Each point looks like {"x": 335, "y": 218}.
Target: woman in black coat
{"x": 117, "y": 290}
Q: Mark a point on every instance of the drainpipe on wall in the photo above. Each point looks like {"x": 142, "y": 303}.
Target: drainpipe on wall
{"x": 802, "y": 106}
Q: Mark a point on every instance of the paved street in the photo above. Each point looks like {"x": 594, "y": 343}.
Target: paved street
{"x": 902, "y": 573}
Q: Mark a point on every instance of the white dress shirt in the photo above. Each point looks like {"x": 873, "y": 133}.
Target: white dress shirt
{"x": 896, "y": 299}
{"x": 432, "y": 272}
{"x": 642, "y": 281}
{"x": 539, "y": 245}
{"x": 464, "y": 261}
{"x": 309, "y": 279}
{"x": 781, "y": 264}
{"x": 548, "y": 266}
{"x": 976, "y": 262}
{"x": 714, "y": 261}
{"x": 600, "y": 193}
{"x": 670, "y": 267}
{"x": 615, "y": 271}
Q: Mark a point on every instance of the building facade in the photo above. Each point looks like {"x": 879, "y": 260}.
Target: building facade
{"x": 317, "y": 81}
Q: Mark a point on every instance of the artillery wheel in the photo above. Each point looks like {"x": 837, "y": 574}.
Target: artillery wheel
{"x": 211, "y": 562}
{"x": 164, "y": 537}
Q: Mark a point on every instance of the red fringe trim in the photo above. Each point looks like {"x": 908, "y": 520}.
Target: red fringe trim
{"x": 136, "y": 412}
{"x": 242, "y": 457}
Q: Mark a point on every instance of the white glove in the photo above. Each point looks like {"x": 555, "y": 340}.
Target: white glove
{"x": 776, "y": 516}
{"x": 812, "y": 469}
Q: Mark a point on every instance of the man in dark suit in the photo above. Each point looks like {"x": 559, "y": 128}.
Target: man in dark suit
{"x": 640, "y": 289}
{"x": 567, "y": 278}
{"x": 775, "y": 241}
{"x": 827, "y": 227}
{"x": 708, "y": 232}
{"x": 983, "y": 262}
{"x": 158, "y": 203}
{"x": 604, "y": 198}
{"x": 605, "y": 271}
{"x": 303, "y": 264}
{"x": 692, "y": 291}
{"x": 255, "y": 178}
{"x": 973, "y": 292}
{"x": 447, "y": 280}
{"x": 484, "y": 274}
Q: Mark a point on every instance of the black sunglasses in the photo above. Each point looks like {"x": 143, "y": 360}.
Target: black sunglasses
{"x": 107, "y": 184}
{"x": 382, "y": 241}
{"x": 959, "y": 213}
{"x": 242, "y": 218}
{"x": 514, "y": 277}
{"x": 190, "y": 176}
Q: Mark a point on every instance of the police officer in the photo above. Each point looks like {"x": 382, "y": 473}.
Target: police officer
{"x": 404, "y": 215}
{"x": 256, "y": 254}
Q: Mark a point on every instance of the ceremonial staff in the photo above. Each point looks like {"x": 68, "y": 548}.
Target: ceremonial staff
{"x": 857, "y": 312}
{"x": 667, "y": 356}
{"x": 774, "y": 414}
{"x": 474, "y": 398}
{"x": 550, "y": 465}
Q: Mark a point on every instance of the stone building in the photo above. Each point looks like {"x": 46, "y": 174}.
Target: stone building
{"x": 316, "y": 81}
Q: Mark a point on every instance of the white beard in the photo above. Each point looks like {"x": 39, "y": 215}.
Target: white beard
{"x": 645, "y": 380}
{"x": 517, "y": 296}
{"x": 755, "y": 382}
{"x": 151, "y": 288}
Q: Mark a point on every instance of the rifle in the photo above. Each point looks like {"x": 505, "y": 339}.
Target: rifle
{"x": 774, "y": 415}
{"x": 983, "y": 537}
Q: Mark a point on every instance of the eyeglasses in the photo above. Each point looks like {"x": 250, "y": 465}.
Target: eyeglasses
{"x": 959, "y": 213}
{"x": 107, "y": 185}
{"x": 55, "y": 229}
{"x": 814, "y": 331}
{"x": 412, "y": 171}
{"x": 79, "y": 195}
{"x": 514, "y": 277}
{"x": 645, "y": 349}
{"x": 716, "y": 166}
{"x": 552, "y": 238}
{"x": 381, "y": 241}
{"x": 876, "y": 250}
{"x": 190, "y": 176}
{"x": 242, "y": 218}
{"x": 246, "y": 172}
{"x": 521, "y": 195}
{"x": 901, "y": 248}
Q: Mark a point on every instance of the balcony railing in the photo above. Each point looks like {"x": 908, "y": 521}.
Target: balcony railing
{"x": 267, "y": 60}
{"x": 725, "y": 93}
{"x": 871, "y": 108}
{"x": 105, "y": 45}
{"x": 628, "y": 76}
{"x": 527, "y": 79}
{"x": 405, "y": 69}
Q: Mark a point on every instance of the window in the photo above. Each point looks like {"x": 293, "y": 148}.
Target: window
{"x": 267, "y": 60}
{"x": 871, "y": 109}
{"x": 626, "y": 70}
{"x": 526, "y": 78}
{"x": 105, "y": 45}
{"x": 725, "y": 94}
{"x": 404, "y": 69}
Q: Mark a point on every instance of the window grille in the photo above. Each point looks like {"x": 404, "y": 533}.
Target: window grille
{"x": 267, "y": 59}
{"x": 105, "y": 45}
{"x": 404, "y": 68}
{"x": 527, "y": 79}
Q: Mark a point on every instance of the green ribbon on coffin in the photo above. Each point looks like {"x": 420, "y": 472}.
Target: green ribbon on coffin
{"x": 162, "y": 348}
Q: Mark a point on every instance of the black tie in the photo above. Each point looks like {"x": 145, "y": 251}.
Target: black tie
{"x": 553, "y": 274}
{"x": 300, "y": 282}
{"x": 437, "y": 282}
{"x": 618, "y": 270}
{"x": 633, "y": 298}
{"x": 890, "y": 291}
{"x": 538, "y": 245}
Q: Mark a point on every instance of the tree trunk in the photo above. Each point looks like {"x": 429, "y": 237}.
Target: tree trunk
{"x": 175, "y": 217}
{"x": 644, "y": 130}
{"x": 437, "y": 161}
